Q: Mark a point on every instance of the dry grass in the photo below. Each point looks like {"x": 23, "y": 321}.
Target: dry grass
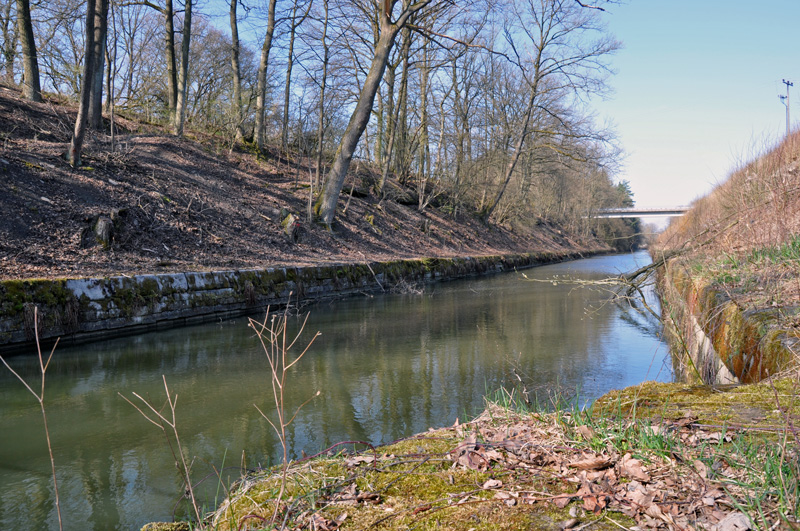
{"x": 744, "y": 237}
{"x": 758, "y": 206}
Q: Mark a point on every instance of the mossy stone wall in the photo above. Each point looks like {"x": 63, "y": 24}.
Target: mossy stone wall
{"x": 713, "y": 340}
{"x": 89, "y": 308}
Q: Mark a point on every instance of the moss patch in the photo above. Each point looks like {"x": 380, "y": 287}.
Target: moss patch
{"x": 759, "y": 406}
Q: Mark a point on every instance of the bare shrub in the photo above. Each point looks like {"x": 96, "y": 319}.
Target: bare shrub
{"x": 40, "y": 398}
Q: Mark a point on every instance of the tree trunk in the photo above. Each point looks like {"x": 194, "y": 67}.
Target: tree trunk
{"x": 523, "y": 134}
{"x": 31, "y": 89}
{"x": 388, "y": 116}
{"x": 183, "y": 75}
{"x": 237, "y": 73}
{"x": 326, "y": 205}
{"x": 109, "y": 77}
{"x": 169, "y": 50}
{"x": 10, "y": 38}
{"x": 261, "y": 83}
{"x": 74, "y": 151}
{"x": 402, "y": 159}
{"x": 289, "y": 65}
{"x": 424, "y": 145}
{"x": 321, "y": 122}
{"x": 96, "y": 94}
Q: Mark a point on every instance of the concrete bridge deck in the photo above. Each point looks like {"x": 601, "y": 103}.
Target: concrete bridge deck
{"x": 634, "y": 212}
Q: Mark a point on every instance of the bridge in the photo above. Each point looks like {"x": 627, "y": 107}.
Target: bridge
{"x": 633, "y": 212}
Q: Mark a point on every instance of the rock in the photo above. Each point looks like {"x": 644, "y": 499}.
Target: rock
{"x": 103, "y": 229}
{"x": 100, "y": 230}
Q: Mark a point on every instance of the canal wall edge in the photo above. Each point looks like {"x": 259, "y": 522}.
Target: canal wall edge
{"x": 85, "y": 309}
{"x": 713, "y": 340}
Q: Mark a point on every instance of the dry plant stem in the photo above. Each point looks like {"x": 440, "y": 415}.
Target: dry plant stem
{"x": 183, "y": 468}
{"x": 274, "y": 339}
{"x": 40, "y": 398}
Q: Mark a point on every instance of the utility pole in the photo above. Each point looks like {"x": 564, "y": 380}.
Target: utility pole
{"x": 785, "y": 100}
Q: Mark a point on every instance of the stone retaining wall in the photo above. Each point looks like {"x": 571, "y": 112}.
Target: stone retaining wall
{"x": 90, "y": 308}
{"x": 715, "y": 341}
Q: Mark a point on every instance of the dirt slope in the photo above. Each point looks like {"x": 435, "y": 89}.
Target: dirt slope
{"x": 181, "y": 204}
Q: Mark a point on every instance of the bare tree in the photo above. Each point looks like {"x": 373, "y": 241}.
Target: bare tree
{"x": 183, "y": 74}
{"x": 76, "y": 144}
{"x": 169, "y": 53}
{"x": 561, "y": 59}
{"x": 326, "y": 205}
{"x": 31, "y": 88}
{"x": 294, "y": 24}
{"x": 96, "y": 93}
{"x": 322, "y": 87}
{"x": 261, "y": 79}
{"x": 10, "y": 33}
{"x": 237, "y": 72}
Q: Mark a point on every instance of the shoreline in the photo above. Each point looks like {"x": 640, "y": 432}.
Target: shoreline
{"x": 87, "y": 309}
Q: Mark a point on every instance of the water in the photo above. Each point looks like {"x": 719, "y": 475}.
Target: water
{"x": 386, "y": 367}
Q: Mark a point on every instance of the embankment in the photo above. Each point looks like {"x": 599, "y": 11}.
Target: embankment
{"x": 85, "y": 309}
{"x": 716, "y": 340}
{"x": 733, "y": 294}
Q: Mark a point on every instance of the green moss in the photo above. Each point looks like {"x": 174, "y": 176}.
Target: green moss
{"x": 754, "y": 405}
{"x": 14, "y": 294}
{"x": 417, "y": 488}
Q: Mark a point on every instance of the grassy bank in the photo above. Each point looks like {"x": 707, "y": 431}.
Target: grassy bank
{"x": 652, "y": 456}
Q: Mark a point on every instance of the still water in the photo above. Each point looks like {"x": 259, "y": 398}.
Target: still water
{"x": 386, "y": 367}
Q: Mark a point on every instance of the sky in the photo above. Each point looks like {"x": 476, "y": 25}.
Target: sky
{"x": 696, "y": 90}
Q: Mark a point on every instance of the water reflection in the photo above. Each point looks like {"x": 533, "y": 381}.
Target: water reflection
{"x": 386, "y": 366}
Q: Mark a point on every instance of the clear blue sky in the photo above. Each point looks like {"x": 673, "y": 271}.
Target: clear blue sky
{"x": 696, "y": 89}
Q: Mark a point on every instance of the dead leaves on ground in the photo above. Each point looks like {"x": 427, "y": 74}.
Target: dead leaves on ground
{"x": 525, "y": 461}
{"x": 673, "y": 492}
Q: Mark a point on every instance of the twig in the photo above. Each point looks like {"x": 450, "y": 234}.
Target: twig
{"x": 274, "y": 338}
{"x": 159, "y": 420}
{"x": 40, "y": 398}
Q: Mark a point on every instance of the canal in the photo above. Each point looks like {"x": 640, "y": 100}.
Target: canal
{"x": 386, "y": 367}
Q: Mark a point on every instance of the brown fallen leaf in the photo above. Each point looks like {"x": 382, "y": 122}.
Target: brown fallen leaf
{"x": 320, "y": 523}
{"x": 562, "y": 500}
{"x": 512, "y": 445}
{"x": 346, "y": 496}
{"x": 358, "y": 459}
{"x": 639, "y": 495}
{"x": 734, "y": 522}
{"x": 369, "y": 497}
{"x": 492, "y": 484}
{"x": 701, "y": 468}
{"x": 685, "y": 421}
{"x": 509, "y": 498}
{"x": 632, "y": 468}
{"x": 586, "y": 432}
{"x": 421, "y": 509}
{"x": 592, "y": 463}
